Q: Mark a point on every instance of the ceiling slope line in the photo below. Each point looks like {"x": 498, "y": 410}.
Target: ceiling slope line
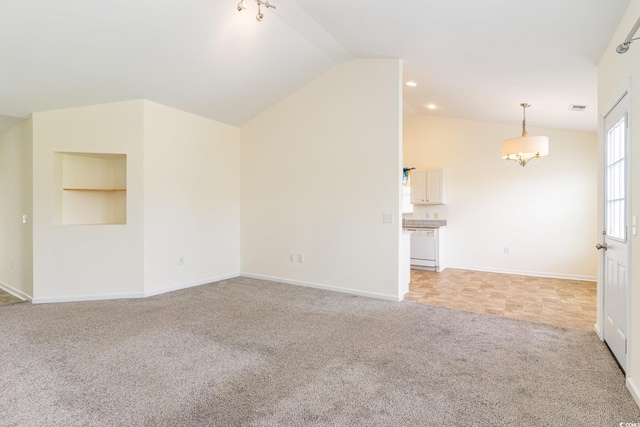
{"x": 295, "y": 17}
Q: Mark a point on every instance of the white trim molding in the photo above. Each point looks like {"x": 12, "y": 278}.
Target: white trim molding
{"x": 76, "y": 298}
{"x": 634, "y": 390}
{"x": 189, "y": 285}
{"x": 528, "y": 273}
{"x": 15, "y": 292}
{"x": 598, "y": 331}
{"x": 386, "y": 297}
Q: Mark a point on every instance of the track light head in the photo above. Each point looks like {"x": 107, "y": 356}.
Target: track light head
{"x": 623, "y": 47}
{"x": 259, "y": 3}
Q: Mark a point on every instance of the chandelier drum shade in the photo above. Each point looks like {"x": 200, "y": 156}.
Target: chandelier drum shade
{"x": 524, "y": 148}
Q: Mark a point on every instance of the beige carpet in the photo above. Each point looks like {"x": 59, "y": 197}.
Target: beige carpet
{"x": 244, "y": 352}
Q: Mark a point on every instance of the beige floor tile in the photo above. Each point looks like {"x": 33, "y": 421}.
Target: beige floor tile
{"x": 559, "y": 302}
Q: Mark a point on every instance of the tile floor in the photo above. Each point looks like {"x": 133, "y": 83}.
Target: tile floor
{"x": 7, "y": 298}
{"x": 569, "y": 303}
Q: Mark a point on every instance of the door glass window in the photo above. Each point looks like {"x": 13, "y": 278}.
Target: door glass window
{"x": 615, "y": 189}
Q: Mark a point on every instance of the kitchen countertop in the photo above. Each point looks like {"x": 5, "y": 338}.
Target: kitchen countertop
{"x": 424, "y": 223}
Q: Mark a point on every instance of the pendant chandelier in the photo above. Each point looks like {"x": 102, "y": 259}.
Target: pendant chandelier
{"x": 525, "y": 147}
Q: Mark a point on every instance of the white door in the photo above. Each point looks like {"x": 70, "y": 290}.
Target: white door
{"x": 614, "y": 246}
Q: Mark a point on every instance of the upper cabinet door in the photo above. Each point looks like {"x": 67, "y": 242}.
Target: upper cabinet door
{"x": 418, "y": 186}
{"x": 435, "y": 186}
{"x": 427, "y": 186}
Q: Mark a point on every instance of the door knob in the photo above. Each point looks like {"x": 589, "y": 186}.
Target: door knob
{"x": 601, "y": 246}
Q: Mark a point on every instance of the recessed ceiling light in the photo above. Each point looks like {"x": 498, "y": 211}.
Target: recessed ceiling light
{"x": 412, "y": 84}
{"x": 431, "y": 106}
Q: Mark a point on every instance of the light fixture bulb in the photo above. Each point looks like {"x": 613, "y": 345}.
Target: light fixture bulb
{"x": 241, "y": 6}
{"x": 259, "y": 16}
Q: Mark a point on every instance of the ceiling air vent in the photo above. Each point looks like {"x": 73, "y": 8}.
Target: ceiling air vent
{"x": 574, "y": 107}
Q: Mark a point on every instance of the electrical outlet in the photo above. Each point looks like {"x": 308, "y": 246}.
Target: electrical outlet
{"x": 11, "y": 264}
{"x": 387, "y": 218}
{"x": 181, "y": 260}
{"x": 24, "y": 218}
{"x": 506, "y": 251}
{"x": 291, "y": 258}
{"x": 436, "y": 215}
{"x": 427, "y": 215}
{"x": 300, "y": 258}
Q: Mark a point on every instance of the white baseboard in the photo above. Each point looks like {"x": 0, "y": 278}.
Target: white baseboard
{"x": 634, "y": 390}
{"x": 598, "y": 331}
{"x": 15, "y": 292}
{"x": 99, "y": 297}
{"x": 189, "y": 285}
{"x": 528, "y": 273}
{"x": 77, "y": 298}
{"x": 386, "y": 297}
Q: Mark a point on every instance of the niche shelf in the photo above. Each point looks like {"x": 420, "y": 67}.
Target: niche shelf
{"x": 92, "y": 188}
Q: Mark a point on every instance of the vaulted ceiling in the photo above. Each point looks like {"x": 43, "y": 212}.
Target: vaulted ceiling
{"x": 472, "y": 59}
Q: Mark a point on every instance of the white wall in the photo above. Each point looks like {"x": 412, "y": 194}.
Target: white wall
{"x": 87, "y": 261}
{"x": 16, "y": 248}
{"x": 191, "y": 199}
{"x": 318, "y": 170}
{"x": 545, "y": 213}
{"x": 614, "y": 70}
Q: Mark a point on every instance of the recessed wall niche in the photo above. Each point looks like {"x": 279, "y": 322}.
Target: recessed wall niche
{"x": 90, "y": 188}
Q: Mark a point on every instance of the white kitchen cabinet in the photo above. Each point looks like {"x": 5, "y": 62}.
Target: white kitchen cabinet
{"x": 418, "y": 186}
{"x": 427, "y": 187}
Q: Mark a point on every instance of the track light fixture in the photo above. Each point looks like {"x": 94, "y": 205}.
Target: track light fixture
{"x": 259, "y": 16}
{"x": 624, "y": 46}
